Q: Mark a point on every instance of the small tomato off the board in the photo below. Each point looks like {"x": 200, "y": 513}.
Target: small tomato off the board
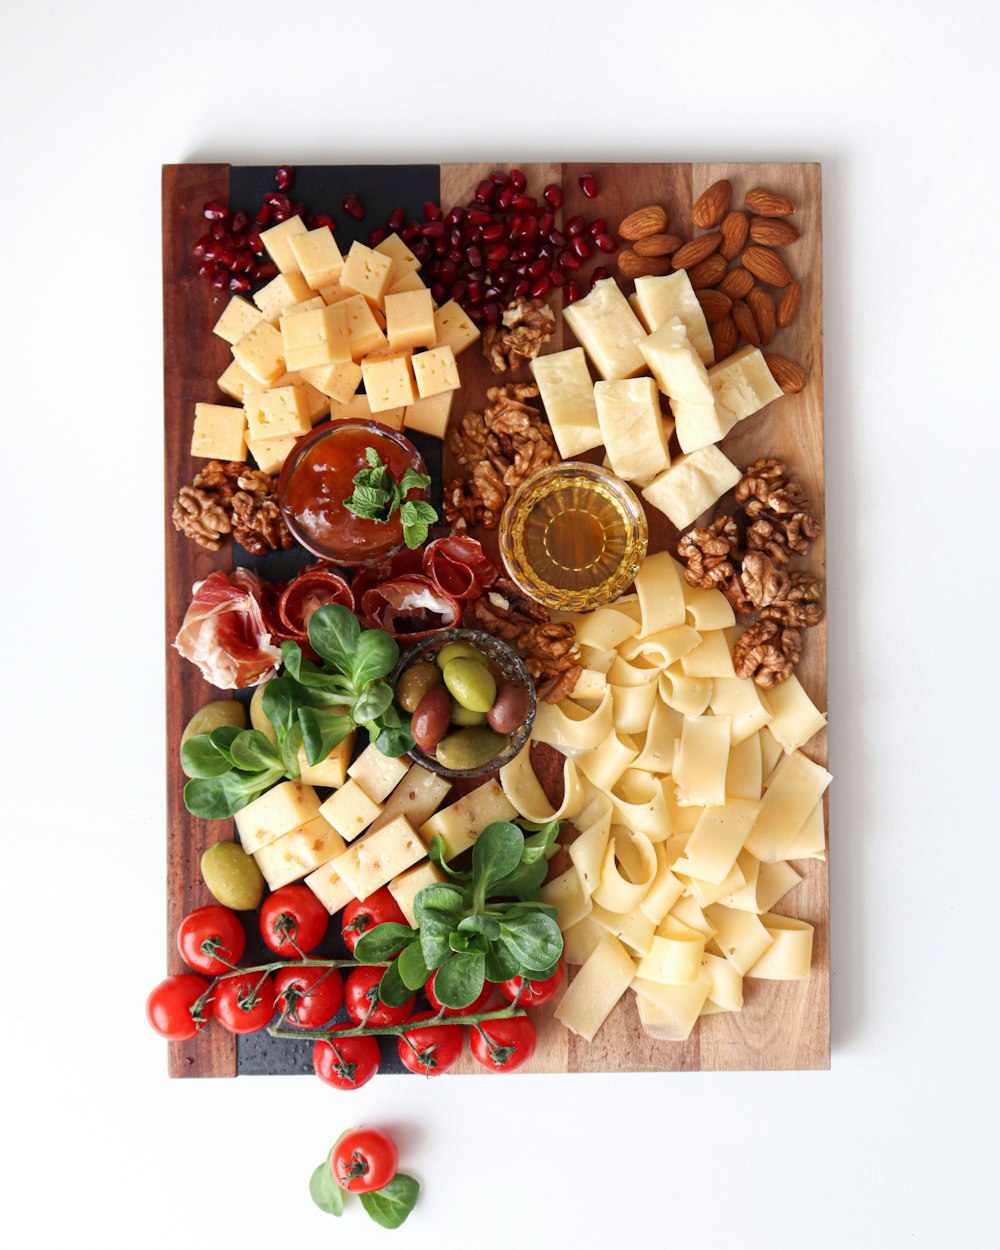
{"x": 364, "y": 1159}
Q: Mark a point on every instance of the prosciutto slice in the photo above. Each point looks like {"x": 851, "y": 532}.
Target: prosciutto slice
{"x": 315, "y": 587}
{"x": 460, "y": 566}
{"x": 225, "y": 631}
{"x": 404, "y": 561}
{"x": 410, "y": 607}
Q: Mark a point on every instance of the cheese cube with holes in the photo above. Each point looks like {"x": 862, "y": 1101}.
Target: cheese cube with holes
{"x": 298, "y": 852}
{"x": 430, "y": 415}
{"x": 403, "y": 260}
{"x": 363, "y": 330}
{"x": 567, "y": 391}
{"x": 410, "y": 281}
{"x": 417, "y": 797}
{"x": 336, "y": 382}
{"x": 608, "y": 330}
{"x": 672, "y": 295}
{"x": 277, "y": 241}
{"x": 271, "y": 414}
{"x": 334, "y": 293}
{"x": 692, "y": 483}
{"x": 367, "y": 273}
{"x": 629, "y": 414}
{"x": 435, "y": 371}
{"x": 377, "y": 774}
{"x": 388, "y": 383}
{"x": 318, "y": 257}
{"x": 306, "y": 305}
{"x": 454, "y": 327}
{"x": 350, "y": 810}
{"x": 260, "y": 353}
{"x": 234, "y": 381}
{"x": 331, "y": 772}
{"x": 742, "y": 384}
{"x": 219, "y": 432}
{"x": 282, "y": 292}
{"x": 317, "y": 337}
{"x": 239, "y": 318}
{"x": 409, "y": 318}
{"x": 405, "y": 888}
{"x": 331, "y": 891}
{"x": 461, "y": 824}
{"x": 278, "y": 811}
{"x": 358, "y": 408}
{"x": 376, "y": 858}
{"x": 271, "y": 453}
{"x": 681, "y": 375}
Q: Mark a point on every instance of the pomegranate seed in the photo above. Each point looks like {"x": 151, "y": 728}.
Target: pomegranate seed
{"x": 556, "y": 277}
{"x": 214, "y": 211}
{"x": 438, "y": 292}
{"x": 599, "y": 274}
{"x": 572, "y": 292}
{"x": 252, "y": 238}
{"x": 319, "y": 220}
{"x": 498, "y": 253}
{"x": 432, "y": 229}
{"x": 421, "y": 250}
{"x": 500, "y": 180}
{"x": 353, "y": 207}
{"x": 492, "y": 232}
{"x": 530, "y": 230}
{"x": 221, "y": 280}
{"x": 522, "y": 270}
{"x": 575, "y": 226}
{"x": 455, "y": 236}
{"x": 299, "y": 210}
{"x": 410, "y": 232}
{"x": 198, "y": 250}
{"x": 458, "y": 291}
{"x": 582, "y": 247}
{"x": 455, "y": 217}
{"x": 476, "y": 275}
{"x": 396, "y": 219}
{"x": 240, "y": 222}
{"x": 278, "y": 215}
{"x": 588, "y": 185}
{"x": 520, "y": 289}
{"x": 505, "y": 199}
{"x": 568, "y": 261}
{"x": 207, "y": 269}
{"x": 539, "y": 266}
{"x": 244, "y": 261}
{"x": 478, "y": 217}
{"x": 540, "y": 286}
{"x": 264, "y": 273}
{"x": 228, "y": 258}
{"x": 220, "y": 233}
{"x": 491, "y": 312}
{"x": 492, "y": 293}
{"x": 283, "y": 176}
{"x": 557, "y": 238}
{"x": 485, "y": 192}
{"x": 278, "y": 201}
{"x": 440, "y": 247}
{"x": 212, "y": 251}
{"x": 376, "y": 236}
{"x": 239, "y": 282}
{"x": 456, "y": 255}
{"x": 596, "y": 227}
{"x": 447, "y": 271}
{"x": 607, "y": 243}
{"x": 432, "y": 211}
{"x": 475, "y": 292}
{"x": 545, "y": 222}
{"x": 518, "y": 180}
{"x": 263, "y": 215}
{"x": 553, "y": 194}
{"x": 475, "y": 257}
{"x": 524, "y": 202}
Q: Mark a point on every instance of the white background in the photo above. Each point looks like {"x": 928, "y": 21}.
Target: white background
{"x": 897, "y": 1145}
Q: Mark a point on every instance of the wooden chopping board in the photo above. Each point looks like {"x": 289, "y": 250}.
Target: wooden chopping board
{"x": 784, "y": 1025}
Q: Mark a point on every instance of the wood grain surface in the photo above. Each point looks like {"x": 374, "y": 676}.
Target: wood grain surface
{"x": 784, "y": 1025}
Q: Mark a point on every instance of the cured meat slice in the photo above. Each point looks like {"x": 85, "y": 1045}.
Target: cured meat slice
{"x": 410, "y": 607}
{"x": 404, "y": 561}
{"x": 313, "y": 588}
{"x": 225, "y": 633}
{"x": 460, "y": 566}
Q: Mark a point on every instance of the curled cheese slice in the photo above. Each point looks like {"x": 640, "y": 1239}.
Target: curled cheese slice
{"x": 770, "y": 753}
{"x": 773, "y": 882}
{"x": 627, "y": 871}
{"x": 687, "y": 911}
{"x": 631, "y": 927}
{"x": 587, "y": 851}
{"x": 743, "y": 772}
{"x": 590, "y": 686}
{"x": 744, "y": 897}
{"x": 604, "y": 628}
{"x": 663, "y": 730}
{"x": 673, "y": 960}
{"x": 622, "y": 673}
{"x": 664, "y": 648}
{"x": 708, "y": 609}
{"x": 794, "y": 716}
{"x": 725, "y": 985}
{"x": 581, "y": 939}
{"x": 596, "y": 988}
{"x": 789, "y": 956}
{"x": 604, "y": 766}
{"x": 688, "y": 695}
{"x": 793, "y": 791}
{"x": 707, "y": 892}
{"x": 711, "y": 658}
{"x": 665, "y": 890}
{"x": 573, "y": 729}
{"x": 633, "y": 707}
{"x": 524, "y": 790}
{"x": 565, "y": 893}
{"x": 668, "y": 1012}
{"x": 702, "y": 757}
{"x": 740, "y": 700}
{"x": 740, "y": 936}
{"x": 810, "y": 842}
{"x": 718, "y": 838}
{"x": 660, "y": 589}
{"x": 640, "y": 802}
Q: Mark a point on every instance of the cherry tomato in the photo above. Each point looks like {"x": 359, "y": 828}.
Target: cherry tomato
{"x": 503, "y": 1045}
{"x": 216, "y": 928}
{"x": 168, "y": 1007}
{"x": 360, "y": 916}
{"x": 347, "y": 1063}
{"x": 320, "y": 991}
{"x": 245, "y": 1004}
{"x": 535, "y": 993}
{"x": 293, "y": 921}
{"x": 432, "y": 1050}
{"x": 364, "y": 1159}
{"x": 476, "y": 1005}
{"x": 363, "y": 1003}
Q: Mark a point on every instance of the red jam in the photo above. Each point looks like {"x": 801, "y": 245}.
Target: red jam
{"x": 319, "y": 476}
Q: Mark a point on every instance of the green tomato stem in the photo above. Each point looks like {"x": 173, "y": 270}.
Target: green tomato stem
{"x": 390, "y": 1030}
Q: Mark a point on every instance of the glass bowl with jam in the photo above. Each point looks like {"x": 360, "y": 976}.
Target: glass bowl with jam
{"x": 319, "y": 475}
{"x": 573, "y": 536}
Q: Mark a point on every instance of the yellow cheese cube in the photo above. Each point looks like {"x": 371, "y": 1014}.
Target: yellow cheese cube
{"x": 278, "y": 811}
{"x": 337, "y": 382}
{"x": 314, "y": 338}
{"x": 378, "y": 857}
{"x": 219, "y": 432}
{"x": 272, "y": 414}
{"x": 388, "y": 383}
{"x": 682, "y": 376}
{"x": 410, "y": 281}
{"x": 318, "y": 257}
{"x": 271, "y": 453}
{"x": 284, "y": 291}
{"x": 628, "y": 410}
{"x": 417, "y": 797}
{"x": 334, "y": 293}
{"x": 410, "y": 319}
{"x": 608, "y": 330}
{"x": 403, "y": 260}
{"x": 363, "y": 330}
{"x": 307, "y": 305}
{"x": 276, "y": 240}
{"x": 331, "y": 772}
{"x": 742, "y": 384}
{"x": 326, "y": 884}
{"x": 435, "y": 371}
{"x": 350, "y": 810}
{"x": 405, "y": 888}
{"x": 430, "y": 415}
{"x": 235, "y": 382}
{"x": 454, "y": 327}
{"x": 301, "y": 851}
{"x": 260, "y": 354}
{"x": 239, "y": 318}
{"x": 358, "y": 409}
{"x": 567, "y": 391}
{"x": 377, "y": 774}
{"x": 672, "y": 295}
{"x": 692, "y": 483}
{"x": 460, "y": 824}
{"x": 366, "y": 272}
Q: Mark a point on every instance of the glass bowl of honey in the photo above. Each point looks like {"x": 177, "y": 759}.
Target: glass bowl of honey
{"x": 573, "y": 536}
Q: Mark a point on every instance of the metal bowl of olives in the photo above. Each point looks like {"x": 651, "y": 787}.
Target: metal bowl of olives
{"x": 470, "y": 699}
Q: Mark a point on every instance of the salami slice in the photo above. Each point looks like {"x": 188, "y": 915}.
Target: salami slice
{"x": 410, "y": 607}
{"x": 224, "y": 631}
{"x": 313, "y": 588}
{"x": 460, "y": 566}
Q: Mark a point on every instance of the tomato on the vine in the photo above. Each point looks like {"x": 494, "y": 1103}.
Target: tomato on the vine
{"x": 315, "y": 995}
{"x": 432, "y": 1050}
{"x": 364, "y": 1159}
{"x": 245, "y": 1004}
{"x": 168, "y": 1007}
{"x": 293, "y": 921}
{"x": 476, "y": 1005}
{"x": 347, "y": 1062}
{"x": 362, "y": 915}
{"x": 534, "y": 993}
{"x": 503, "y": 1045}
{"x": 363, "y": 1004}
{"x": 209, "y": 931}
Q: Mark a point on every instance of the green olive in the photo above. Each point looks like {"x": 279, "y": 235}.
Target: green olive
{"x": 257, "y": 718}
{"x": 414, "y": 684}
{"x": 459, "y": 651}
{"x": 469, "y": 748}
{"x": 213, "y": 716}
{"x": 462, "y": 716}
{"x": 470, "y": 684}
{"x": 232, "y": 876}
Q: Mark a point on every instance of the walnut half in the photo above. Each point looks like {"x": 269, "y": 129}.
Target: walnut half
{"x": 767, "y": 653}
{"x": 525, "y": 327}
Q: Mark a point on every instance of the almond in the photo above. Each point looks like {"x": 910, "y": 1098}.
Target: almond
{"x": 788, "y": 375}
{"x": 714, "y": 304}
{"x": 772, "y": 231}
{"x": 745, "y": 323}
{"x": 632, "y": 265}
{"x": 709, "y": 273}
{"x": 734, "y": 234}
{"x": 763, "y": 264}
{"x": 725, "y": 337}
{"x": 737, "y": 284}
{"x": 644, "y": 221}
{"x": 761, "y": 304}
{"x": 789, "y": 305}
{"x": 658, "y": 244}
{"x": 768, "y": 203}
{"x": 712, "y": 205}
{"x": 696, "y": 251}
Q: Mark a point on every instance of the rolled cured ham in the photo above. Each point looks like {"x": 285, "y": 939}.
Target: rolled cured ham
{"x": 460, "y": 566}
{"x": 313, "y": 588}
{"x": 410, "y": 607}
{"x": 226, "y": 632}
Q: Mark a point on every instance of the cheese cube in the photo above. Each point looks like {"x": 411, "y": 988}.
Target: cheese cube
{"x": 272, "y": 414}
{"x": 337, "y": 382}
{"x": 435, "y": 371}
{"x": 366, "y": 273}
{"x": 378, "y": 857}
{"x": 271, "y": 453}
{"x": 567, "y": 392}
{"x": 301, "y": 851}
{"x": 334, "y": 293}
{"x": 278, "y": 811}
{"x": 672, "y": 295}
{"x": 417, "y": 797}
{"x": 314, "y": 338}
{"x": 377, "y": 774}
{"x": 260, "y": 354}
{"x": 680, "y": 374}
{"x": 332, "y": 771}
{"x": 405, "y": 888}
{"x": 239, "y": 318}
{"x": 350, "y": 810}
{"x": 430, "y": 415}
{"x": 629, "y": 414}
{"x": 235, "y": 382}
{"x": 363, "y": 330}
{"x": 219, "y": 432}
{"x": 461, "y": 824}
{"x": 410, "y": 319}
{"x": 276, "y": 240}
{"x": 307, "y": 305}
{"x": 608, "y": 330}
{"x": 742, "y": 384}
{"x": 282, "y": 292}
{"x": 410, "y": 281}
{"x": 358, "y": 409}
{"x": 692, "y": 483}
{"x": 326, "y": 884}
{"x": 318, "y": 257}
{"x": 388, "y": 383}
{"x": 454, "y": 327}
{"x": 403, "y": 260}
